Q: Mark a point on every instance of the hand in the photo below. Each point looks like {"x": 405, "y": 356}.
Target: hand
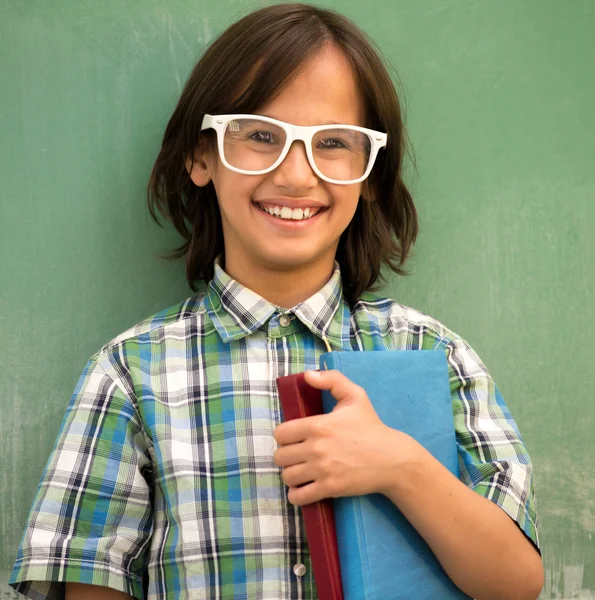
{"x": 348, "y": 452}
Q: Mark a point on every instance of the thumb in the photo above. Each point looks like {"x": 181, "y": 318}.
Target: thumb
{"x": 343, "y": 390}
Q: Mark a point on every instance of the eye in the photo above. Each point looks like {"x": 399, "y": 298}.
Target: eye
{"x": 332, "y": 144}
{"x": 262, "y": 137}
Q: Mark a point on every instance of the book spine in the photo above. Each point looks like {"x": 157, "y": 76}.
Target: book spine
{"x": 299, "y": 400}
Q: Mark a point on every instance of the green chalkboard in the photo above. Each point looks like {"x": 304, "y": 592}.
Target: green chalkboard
{"x": 501, "y": 112}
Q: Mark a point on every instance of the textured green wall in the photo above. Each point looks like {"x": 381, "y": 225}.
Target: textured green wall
{"x": 500, "y": 104}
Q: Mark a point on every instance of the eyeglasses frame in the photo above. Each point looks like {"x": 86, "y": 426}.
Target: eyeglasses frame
{"x": 294, "y": 133}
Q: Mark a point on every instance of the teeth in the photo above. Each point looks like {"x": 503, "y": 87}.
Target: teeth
{"x": 284, "y": 212}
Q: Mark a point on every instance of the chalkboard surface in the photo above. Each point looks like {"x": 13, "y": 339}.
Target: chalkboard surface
{"x": 501, "y": 112}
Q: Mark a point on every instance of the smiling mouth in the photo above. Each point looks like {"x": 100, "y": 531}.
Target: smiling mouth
{"x": 290, "y": 214}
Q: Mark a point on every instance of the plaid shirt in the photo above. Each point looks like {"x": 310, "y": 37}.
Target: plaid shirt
{"x": 162, "y": 482}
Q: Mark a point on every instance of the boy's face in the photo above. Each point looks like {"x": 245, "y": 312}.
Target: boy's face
{"x": 324, "y": 91}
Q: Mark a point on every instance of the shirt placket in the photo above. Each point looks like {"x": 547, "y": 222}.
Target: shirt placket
{"x": 283, "y": 360}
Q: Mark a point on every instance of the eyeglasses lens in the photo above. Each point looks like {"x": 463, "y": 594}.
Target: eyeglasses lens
{"x": 341, "y": 154}
{"x": 252, "y": 145}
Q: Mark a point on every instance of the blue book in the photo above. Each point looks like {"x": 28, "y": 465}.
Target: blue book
{"x": 381, "y": 554}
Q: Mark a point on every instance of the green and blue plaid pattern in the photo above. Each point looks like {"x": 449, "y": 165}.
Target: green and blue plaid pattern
{"x": 162, "y": 482}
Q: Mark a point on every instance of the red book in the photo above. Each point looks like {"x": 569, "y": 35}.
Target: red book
{"x": 299, "y": 400}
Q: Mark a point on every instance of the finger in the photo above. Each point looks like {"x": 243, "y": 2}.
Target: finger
{"x": 295, "y": 431}
{"x": 297, "y": 475}
{"x": 306, "y": 494}
{"x": 292, "y": 454}
{"x": 341, "y": 388}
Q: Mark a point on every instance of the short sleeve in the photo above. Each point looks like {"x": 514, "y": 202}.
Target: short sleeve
{"x": 493, "y": 459}
{"x": 91, "y": 519}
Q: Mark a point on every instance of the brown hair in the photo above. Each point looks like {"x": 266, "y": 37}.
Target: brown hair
{"x": 271, "y": 44}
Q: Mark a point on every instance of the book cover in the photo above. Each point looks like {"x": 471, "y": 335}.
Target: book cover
{"x": 382, "y": 556}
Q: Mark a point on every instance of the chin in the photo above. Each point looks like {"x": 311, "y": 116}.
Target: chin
{"x": 297, "y": 260}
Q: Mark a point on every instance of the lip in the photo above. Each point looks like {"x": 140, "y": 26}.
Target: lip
{"x": 287, "y": 224}
{"x": 291, "y": 202}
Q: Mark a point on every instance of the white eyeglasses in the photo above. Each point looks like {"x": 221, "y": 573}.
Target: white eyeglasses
{"x": 255, "y": 145}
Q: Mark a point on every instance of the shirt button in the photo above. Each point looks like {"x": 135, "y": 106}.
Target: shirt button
{"x": 299, "y": 570}
{"x": 284, "y": 320}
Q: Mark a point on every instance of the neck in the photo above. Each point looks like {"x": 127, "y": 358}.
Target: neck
{"x": 283, "y": 287}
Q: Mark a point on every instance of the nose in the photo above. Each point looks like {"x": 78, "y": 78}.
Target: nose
{"x": 295, "y": 172}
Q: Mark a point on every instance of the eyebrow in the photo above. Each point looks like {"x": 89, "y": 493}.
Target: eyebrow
{"x": 270, "y": 116}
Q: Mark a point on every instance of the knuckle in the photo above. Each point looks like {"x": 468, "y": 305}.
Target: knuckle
{"x": 358, "y": 389}
{"x": 279, "y": 457}
{"x": 320, "y": 428}
{"x": 294, "y": 496}
{"x": 329, "y": 490}
{"x": 326, "y": 468}
{"x": 318, "y": 449}
{"x": 332, "y": 487}
{"x": 286, "y": 476}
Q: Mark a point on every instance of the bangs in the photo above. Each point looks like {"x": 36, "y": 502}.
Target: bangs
{"x": 268, "y": 65}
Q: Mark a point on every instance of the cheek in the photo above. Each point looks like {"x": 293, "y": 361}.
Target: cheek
{"x": 346, "y": 200}
{"x": 235, "y": 190}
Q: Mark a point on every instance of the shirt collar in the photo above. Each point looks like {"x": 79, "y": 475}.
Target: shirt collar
{"x": 237, "y": 311}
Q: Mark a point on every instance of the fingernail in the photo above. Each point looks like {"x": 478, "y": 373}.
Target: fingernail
{"x": 314, "y": 373}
